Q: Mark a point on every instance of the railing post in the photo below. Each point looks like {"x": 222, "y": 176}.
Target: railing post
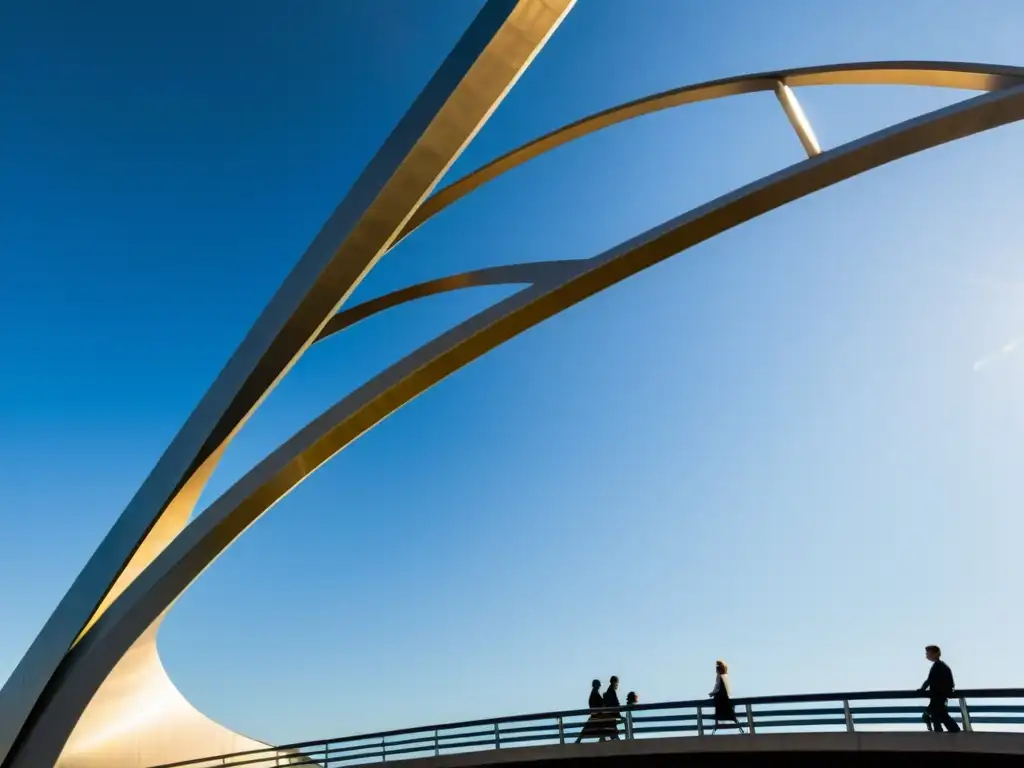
{"x": 965, "y": 714}
{"x": 497, "y": 737}
{"x": 383, "y": 750}
{"x": 700, "y": 720}
{"x": 327, "y": 754}
{"x": 848, "y": 715}
{"x": 750, "y": 719}
{"x": 629, "y": 724}
{"x": 437, "y": 744}
{"x": 561, "y": 731}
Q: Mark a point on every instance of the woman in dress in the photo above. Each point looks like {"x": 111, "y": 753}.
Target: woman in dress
{"x": 725, "y": 712}
{"x": 594, "y": 726}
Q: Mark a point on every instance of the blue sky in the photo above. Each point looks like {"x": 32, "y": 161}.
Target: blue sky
{"x": 774, "y": 448}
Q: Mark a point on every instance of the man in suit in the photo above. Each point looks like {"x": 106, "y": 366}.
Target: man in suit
{"x": 611, "y": 702}
{"x": 939, "y": 687}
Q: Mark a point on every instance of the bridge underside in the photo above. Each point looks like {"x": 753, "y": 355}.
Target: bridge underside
{"x": 789, "y": 749}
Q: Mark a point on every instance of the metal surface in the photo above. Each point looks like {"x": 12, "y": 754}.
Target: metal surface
{"x": 789, "y": 749}
{"x": 210, "y": 533}
{"x": 965, "y": 714}
{"x": 532, "y": 273}
{"x": 141, "y": 698}
{"x": 771, "y": 748}
{"x": 150, "y": 557}
{"x": 775, "y": 715}
{"x": 970, "y": 76}
{"x": 797, "y": 118}
{"x": 848, "y": 715}
{"x": 485, "y": 63}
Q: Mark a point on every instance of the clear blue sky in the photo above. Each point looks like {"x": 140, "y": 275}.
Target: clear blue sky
{"x": 774, "y": 448}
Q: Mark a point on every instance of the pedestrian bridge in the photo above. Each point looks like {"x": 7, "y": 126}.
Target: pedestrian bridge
{"x": 808, "y": 729}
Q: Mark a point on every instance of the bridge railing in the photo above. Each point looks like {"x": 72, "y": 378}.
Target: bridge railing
{"x": 984, "y": 709}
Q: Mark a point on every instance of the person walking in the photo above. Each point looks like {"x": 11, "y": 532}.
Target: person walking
{"x": 721, "y": 695}
{"x": 631, "y": 701}
{"x": 612, "y": 708}
{"x": 592, "y": 728}
{"x": 939, "y": 686}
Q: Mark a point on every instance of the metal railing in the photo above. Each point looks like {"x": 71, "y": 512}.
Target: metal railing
{"x": 993, "y": 709}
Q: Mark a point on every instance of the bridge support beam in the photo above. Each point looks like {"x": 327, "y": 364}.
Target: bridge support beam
{"x": 36, "y": 717}
{"x": 797, "y": 118}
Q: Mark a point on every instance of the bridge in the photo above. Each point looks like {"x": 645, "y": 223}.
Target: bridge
{"x": 807, "y": 727}
{"x": 91, "y": 692}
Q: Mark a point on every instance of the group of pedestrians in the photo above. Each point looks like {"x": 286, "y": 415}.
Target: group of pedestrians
{"x": 606, "y": 711}
{"x": 605, "y": 708}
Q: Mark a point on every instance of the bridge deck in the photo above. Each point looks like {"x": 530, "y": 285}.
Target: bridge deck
{"x": 650, "y": 753}
{"x": 800, "y": 727}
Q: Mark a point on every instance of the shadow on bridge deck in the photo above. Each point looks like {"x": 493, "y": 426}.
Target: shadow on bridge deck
{"x": 761, "y": 749}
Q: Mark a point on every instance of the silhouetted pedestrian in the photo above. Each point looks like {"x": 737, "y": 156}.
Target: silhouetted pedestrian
{"x": 612, "y": 707}
{"x": 939, "y": 687}
{"x": 631, "y": 701}
{"x": 721, "y": 694}
{"x": 592, "y": 728}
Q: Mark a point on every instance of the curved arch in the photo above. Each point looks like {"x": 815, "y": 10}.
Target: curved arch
{"x": 970, "y": 76}
{"x": 487, "y": 60}
{"x": 142, "y": 697}
{"x": 974, "y": 76}
{"x": 145, "y": 600}
{"x": 528, "y": 273}
{"x": 152, "y": 536}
